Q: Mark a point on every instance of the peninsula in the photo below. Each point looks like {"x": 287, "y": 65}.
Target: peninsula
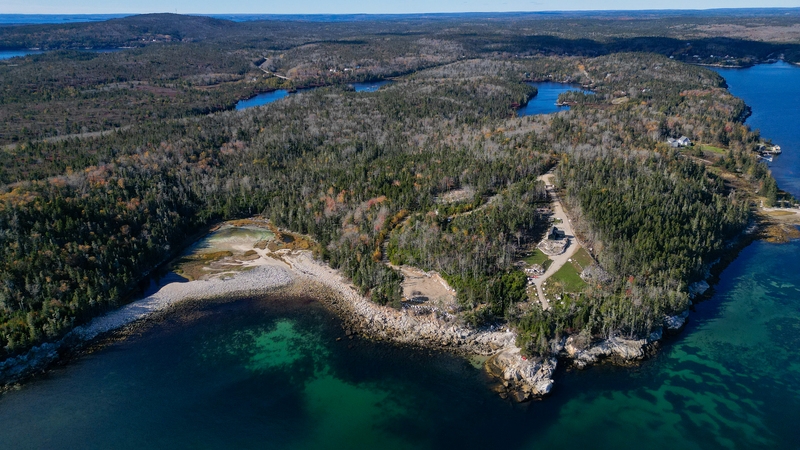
{"x": 426, "y": 211}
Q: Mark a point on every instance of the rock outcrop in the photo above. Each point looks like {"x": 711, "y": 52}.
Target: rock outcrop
{"x": 528, "y": 379}
{"x": 619, "y": 349}
{"x": 34, "y": 361}
{"x": 525, "y": 378}
{"x": 675, "y": 323}
{"x": 698, "y": 288}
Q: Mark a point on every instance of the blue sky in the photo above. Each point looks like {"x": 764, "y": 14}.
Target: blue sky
{"x": 358, "y": 6}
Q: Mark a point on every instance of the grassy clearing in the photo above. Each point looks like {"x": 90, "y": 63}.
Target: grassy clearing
{"x": 583, "y": 258}
{"x": 539, "y": 258}
{"x": 711, "y": 148}
{"x": 566, "y": 279}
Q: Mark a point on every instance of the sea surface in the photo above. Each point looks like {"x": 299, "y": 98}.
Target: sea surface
{"x": 281, "y": 373}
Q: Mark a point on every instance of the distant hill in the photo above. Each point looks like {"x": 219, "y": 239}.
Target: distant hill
{"x": 747, "y": 35}
{"x": 123, "y": 32}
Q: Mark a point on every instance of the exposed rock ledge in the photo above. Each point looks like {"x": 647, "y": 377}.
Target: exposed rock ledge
{"x": 698, "y": 288}
{"x": 619, "y": 349}
{"x": 527, "y": 378}
{"x": 524, "y": 378}
{"x": 676, "y": 323}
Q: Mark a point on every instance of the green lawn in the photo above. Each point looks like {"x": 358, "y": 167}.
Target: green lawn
{"x": 539, "y": 258}
{"x": 582, "y": 257}
{"x": 568, "y": 278}
{"x": 711, "y": 148}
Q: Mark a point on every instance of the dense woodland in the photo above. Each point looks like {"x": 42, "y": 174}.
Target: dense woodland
{"x": 175, "y": 67}
{"x": 83, "y": 220}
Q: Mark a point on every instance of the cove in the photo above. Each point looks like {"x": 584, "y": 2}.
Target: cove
{"x": 772, "y": 91}
{"x": 269, "y": 97}
{"x": 544, "y": 102}
{"x": 280, "y": 372}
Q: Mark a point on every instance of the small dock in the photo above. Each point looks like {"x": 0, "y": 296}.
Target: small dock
{"x": 767, "y": 150}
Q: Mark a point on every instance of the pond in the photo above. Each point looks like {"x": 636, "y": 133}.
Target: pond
{"x": 269, "y": 97}
{"x": 6, "y": 54}
{"x": 545, "y": 100}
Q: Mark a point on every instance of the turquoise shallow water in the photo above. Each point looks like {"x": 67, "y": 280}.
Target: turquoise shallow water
{"x": 270, "y": 373}
{"x": 731, "y": 380}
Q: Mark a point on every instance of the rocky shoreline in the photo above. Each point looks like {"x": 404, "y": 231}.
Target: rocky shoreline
{"x": 530, "y": 378}
{"x": 298, "y": 273}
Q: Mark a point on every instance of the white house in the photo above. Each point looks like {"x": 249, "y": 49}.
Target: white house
{"x": 682, "y": 141}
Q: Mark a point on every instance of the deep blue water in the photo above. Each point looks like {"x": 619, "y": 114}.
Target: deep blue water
{"x": 269, "y": 97}
{"x": 543, "y": 103}
{"x": 262, "y": 99}
{"x": 545, "y": 100}
{"x": 6, "y": 54}
{"x": 370, "y": 87}
{"x": 773, "y": 93}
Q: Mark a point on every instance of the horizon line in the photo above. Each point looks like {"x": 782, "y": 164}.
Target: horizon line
{"x": 562, "y": 11}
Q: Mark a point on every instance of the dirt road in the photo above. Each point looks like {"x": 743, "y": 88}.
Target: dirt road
{"x": 566, "y": 227}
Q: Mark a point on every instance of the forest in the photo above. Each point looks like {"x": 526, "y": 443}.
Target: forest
{"x": 85, "y": 218}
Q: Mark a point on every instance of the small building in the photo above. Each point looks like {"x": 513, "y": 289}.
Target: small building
{"x": 682, "y": 141}
{"x": 555, "y": 234}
